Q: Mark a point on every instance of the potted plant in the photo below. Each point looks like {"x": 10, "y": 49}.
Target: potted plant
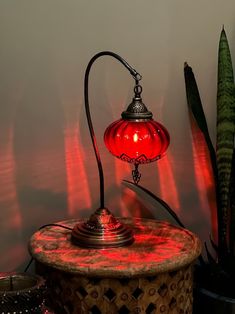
{"x": 215, "y": 277}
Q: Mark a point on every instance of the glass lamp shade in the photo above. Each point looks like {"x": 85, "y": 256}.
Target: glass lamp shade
{"x": 137, "y": 141}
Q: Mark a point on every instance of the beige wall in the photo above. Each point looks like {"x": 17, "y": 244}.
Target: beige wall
{"x": 47, "y": 166}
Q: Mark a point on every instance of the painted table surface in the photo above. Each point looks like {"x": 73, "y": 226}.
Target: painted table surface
{"x": 158, "y": 247}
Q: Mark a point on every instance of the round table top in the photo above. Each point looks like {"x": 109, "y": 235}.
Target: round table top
{"x": 158, "y": 247}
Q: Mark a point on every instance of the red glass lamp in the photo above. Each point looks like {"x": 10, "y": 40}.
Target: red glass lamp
{"x": 136, "y": 138}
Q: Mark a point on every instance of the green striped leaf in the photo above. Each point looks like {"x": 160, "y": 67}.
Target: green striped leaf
{"x": 225, "y": 134}
{"x": 232, "y": 208}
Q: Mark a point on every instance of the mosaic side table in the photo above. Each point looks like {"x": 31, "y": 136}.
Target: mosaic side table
{"x": 153, "y": 275}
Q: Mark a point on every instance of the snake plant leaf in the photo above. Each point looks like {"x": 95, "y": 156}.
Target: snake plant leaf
{"x": 232, "y": 208}
{"x": 210, "y": 258}
{"x": 157, "y": 199}
{"x": 214, "y": 245}
{"x": 164, "y": 204}
{"x": 195, "y": 105}
{"x": 225, "y": 133}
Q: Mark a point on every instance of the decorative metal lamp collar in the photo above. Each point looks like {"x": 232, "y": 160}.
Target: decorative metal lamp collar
{"x": 137, "y": 139}
{"x": 137, "y": 109}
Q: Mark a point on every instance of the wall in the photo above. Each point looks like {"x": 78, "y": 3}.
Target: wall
{"x": 47, "y": 166}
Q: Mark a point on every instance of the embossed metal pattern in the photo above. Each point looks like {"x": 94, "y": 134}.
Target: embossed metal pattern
{"x": 102, "y": 230}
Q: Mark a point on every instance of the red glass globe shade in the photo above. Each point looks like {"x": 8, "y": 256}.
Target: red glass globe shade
{"x": 137, "y": 141}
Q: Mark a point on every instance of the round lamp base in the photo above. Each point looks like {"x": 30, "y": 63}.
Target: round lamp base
{"x": 101, "y": 231}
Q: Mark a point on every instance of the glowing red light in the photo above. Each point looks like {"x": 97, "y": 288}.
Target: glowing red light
{"x": 136, "y": 141}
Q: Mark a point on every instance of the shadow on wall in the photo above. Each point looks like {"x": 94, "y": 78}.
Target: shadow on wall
{"x": 39, "y": 152}
{"x": 41, "y": 205}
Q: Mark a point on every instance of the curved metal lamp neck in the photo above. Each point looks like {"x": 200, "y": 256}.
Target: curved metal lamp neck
{"x": 137, "y": 77}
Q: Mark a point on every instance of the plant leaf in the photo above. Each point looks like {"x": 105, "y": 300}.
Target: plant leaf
{"x": 159, "y": 200}
{"x": 209, "y": 256}
{"x": 225, "y": 135}
{"x": 232, "y": 208}
{"x": 195, "y": 105}
{"x": 165, "y": 205}
{"x": 215, "y": 247}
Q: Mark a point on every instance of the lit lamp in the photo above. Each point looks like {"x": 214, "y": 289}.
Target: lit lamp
{"x": 135, "y": 138}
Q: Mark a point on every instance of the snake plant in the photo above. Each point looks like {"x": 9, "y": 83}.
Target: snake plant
{"x": 222, "y": 157}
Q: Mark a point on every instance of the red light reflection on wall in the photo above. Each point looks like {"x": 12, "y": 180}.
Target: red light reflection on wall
{"x": 168, "y": 187}
{"x": 203, "y": 174}
{"x": 122, "y": 170}
{"x": 10, "y": 212}
{"x": 77, "y": 186}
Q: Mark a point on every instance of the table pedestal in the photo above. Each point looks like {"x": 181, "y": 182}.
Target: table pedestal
{"x": 153, "y": 275}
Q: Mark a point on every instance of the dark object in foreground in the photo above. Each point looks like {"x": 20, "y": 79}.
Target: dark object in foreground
{"x": 214, "y": 289}
{"x": 21, "y": 293}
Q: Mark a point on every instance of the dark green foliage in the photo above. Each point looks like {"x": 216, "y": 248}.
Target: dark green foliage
{"x": 219, "y": 275}
{"x": 225, "y": 135}
{"x": 222, "y": 160}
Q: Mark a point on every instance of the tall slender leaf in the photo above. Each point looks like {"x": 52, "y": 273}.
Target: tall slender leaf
{"x": 225, "y": 134}
{"x": 195, "y": 105}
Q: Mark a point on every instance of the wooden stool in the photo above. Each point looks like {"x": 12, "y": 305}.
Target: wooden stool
{"x": 153, "y": 275}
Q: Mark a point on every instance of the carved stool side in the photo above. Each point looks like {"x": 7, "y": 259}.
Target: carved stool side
{"x": 153, "y": 275}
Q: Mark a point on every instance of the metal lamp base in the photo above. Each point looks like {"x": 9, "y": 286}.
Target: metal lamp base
{"x": 102, "y": 230}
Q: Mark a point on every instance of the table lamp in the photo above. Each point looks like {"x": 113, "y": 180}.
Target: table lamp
{"x": 135, "y": 138}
